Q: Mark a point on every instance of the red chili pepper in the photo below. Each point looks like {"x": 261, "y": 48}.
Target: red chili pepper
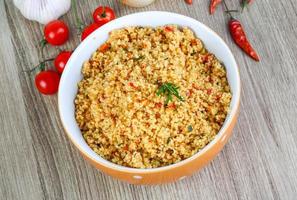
{"x": 213, "y": 5}
{"x": 240, "y": 38}
{"x": 189, "y": 1}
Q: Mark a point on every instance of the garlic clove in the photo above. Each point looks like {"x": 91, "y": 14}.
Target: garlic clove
{"x": 42, "y": 11}
{"x": 137, "y": 3}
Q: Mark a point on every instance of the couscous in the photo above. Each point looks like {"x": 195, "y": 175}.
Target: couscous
{"x": 151, "y": 97}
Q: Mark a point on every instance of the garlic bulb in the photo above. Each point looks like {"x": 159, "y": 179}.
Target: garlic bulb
{"x": 137, "y": 3}
{"x": 42, "y": 11}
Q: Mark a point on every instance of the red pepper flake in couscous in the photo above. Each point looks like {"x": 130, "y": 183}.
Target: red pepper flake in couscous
{"x": 104, "y": 47}
{"x": 119, "y": 112}
{"x": 168, "y": 29}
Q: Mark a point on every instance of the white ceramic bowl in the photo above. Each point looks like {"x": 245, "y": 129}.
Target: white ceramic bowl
{"x": 72, "y": 75}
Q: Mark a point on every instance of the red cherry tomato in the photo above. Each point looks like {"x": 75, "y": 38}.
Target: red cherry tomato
{"x": 61, "y": 60}
{"x": 56, "y": 32}
{"x": 88, "y": 30}
{"x": 103, "y": 14}
{"x": 47, "y": 82}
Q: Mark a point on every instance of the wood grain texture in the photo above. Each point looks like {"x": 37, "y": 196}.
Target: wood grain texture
{"x": 259, "y": 162}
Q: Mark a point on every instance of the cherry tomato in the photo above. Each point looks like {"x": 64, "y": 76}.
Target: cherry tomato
{"x": 56, "y": 32}
{"x": 103, "y": 14}
{"x": 47, "y": 82}
{"x": 61, "y": 60}
{"x": 88, "y": 30}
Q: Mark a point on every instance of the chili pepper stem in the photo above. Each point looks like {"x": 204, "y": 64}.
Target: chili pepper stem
{"x": 239, "y": 37}
{"x": 231, "y": 11}
{"x": 244, "y": 4}
{"x": 227, "y": 10}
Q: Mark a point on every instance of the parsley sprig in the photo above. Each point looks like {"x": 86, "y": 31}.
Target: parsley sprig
{"x": 169, "y": 90}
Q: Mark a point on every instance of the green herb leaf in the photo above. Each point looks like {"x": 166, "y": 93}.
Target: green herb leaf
{"x": 190, "y": 128}
{"x": 168, "y": 90}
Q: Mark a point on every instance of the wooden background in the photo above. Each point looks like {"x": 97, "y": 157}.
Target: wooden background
{"x": 259, "y": 162}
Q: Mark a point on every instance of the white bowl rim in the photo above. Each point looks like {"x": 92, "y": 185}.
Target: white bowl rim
{"x": 227, "y": 122}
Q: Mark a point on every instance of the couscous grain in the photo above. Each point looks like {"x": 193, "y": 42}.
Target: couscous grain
{"x": 123, "y": 119}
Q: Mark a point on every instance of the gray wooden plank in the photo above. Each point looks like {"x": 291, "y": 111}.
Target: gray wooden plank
{"x": 259, "y": 162}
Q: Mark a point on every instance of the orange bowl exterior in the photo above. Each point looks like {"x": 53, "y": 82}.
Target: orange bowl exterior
{"x": 172, "y": 174}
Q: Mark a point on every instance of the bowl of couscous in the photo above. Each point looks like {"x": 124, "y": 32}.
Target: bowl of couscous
{"x": 151, "y": 97}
